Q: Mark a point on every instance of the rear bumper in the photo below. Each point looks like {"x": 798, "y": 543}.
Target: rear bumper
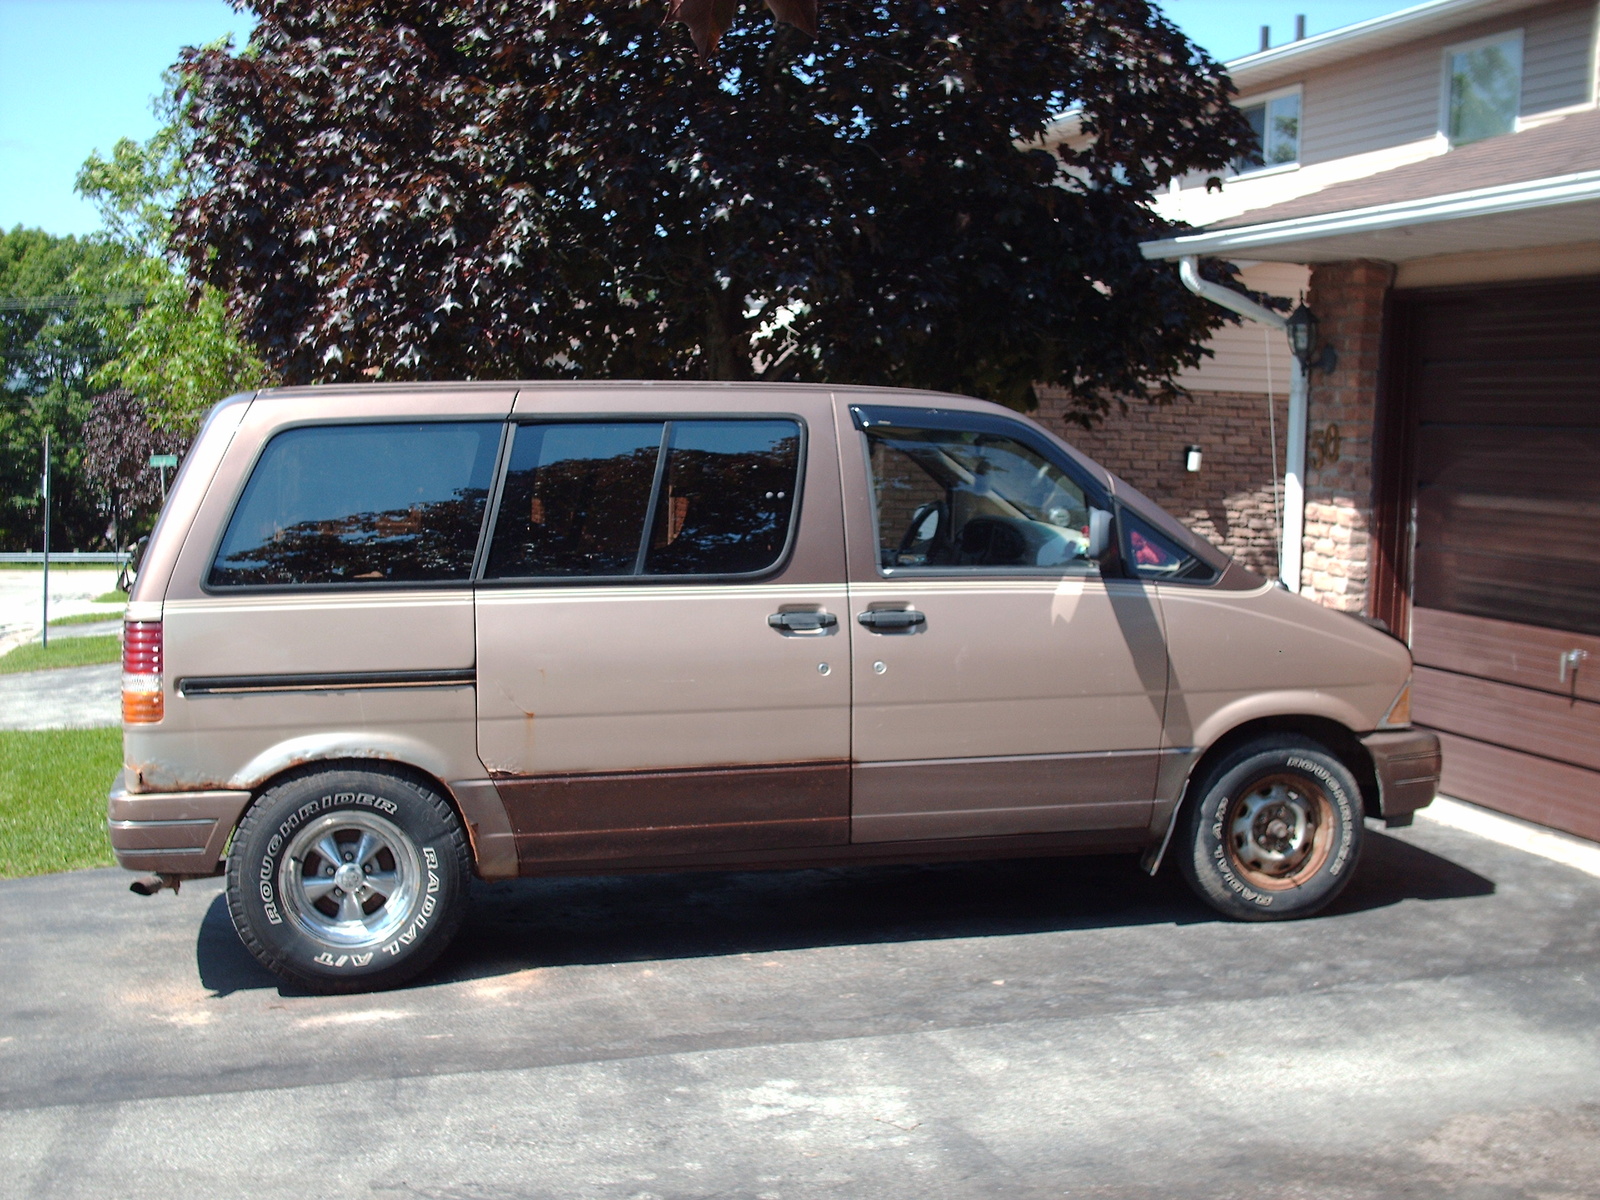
{"x": 1407, "y": 763}
{"x": 172, "y": 833}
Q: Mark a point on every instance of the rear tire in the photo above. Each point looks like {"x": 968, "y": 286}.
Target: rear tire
{"x": 1274, "y": 831}
{"x": 348, "y": 880}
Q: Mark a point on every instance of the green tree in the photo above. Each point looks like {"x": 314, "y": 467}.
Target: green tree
{"x": 179, "y": 352}
{"x": 468, "y": 188}
{"x": 54, "y": 296}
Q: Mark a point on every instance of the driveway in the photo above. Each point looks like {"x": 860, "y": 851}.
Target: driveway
{"x": 1033, "y": 1029}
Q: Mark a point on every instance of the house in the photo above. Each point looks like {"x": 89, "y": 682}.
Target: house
{"x": 1429, "y": 182}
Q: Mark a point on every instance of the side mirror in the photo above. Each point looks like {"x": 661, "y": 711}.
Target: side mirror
{"x": 1099, "y": 534}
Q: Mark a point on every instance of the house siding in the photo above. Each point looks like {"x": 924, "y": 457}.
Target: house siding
{"x": 1558, "y": 60}
{"x": 1248, "y": 357}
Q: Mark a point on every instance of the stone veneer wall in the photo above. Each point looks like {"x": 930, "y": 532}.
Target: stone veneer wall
{"x": 1230, "y": 499}
{"x": 1348, "y": 299}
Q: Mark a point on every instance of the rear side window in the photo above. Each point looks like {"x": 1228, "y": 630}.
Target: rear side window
{"x": 354, "y": 504}
{"x": 660, "y": 498}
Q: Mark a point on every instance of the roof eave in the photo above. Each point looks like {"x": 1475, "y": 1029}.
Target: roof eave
{"x": 1581, "y": 187}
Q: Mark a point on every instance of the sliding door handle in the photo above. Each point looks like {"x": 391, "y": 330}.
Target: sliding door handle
{"x": 881, "y": 620}
{"x": 802, "y": 622}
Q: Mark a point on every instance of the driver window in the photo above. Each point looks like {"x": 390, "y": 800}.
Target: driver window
{"x": 962, "y": 500}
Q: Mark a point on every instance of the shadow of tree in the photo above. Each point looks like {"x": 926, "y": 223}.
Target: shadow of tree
{"x": 590, "y": 920}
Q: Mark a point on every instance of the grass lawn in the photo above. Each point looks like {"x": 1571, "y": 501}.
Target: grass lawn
{"x": 86, "y": 618}
{"x": 64, "y": 652}
{"x": 115, "y": 596}
{"x": 53, "y": 785}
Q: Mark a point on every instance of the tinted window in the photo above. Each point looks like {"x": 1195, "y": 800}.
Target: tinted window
{"x": 1153, "y": 555}
{"x": 974, "y": 500}
{"x": 718, "y": 497}
{"x": 361, "y": 503}
{"x": 575, "y": 499}
{"x": 726, "y": 497}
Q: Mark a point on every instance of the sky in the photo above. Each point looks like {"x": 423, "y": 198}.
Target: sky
{"x": 76, "y": 75}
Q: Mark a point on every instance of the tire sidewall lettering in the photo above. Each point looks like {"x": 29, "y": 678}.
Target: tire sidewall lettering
{"x": 259, "y": 884}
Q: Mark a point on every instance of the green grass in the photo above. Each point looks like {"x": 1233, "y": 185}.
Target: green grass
{"x": 53, "y": 785}
{"x": 86, "y": 618}
{"x": 115, "y": 596}
{"x": 64, "y": 652}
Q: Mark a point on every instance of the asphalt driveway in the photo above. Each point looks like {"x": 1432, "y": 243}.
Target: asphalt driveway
{"x": 1044, "y": 1028}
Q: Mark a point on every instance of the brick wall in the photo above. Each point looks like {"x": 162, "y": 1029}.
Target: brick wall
{"x": 1348, "y": 300}
{"x": 1230, "y": 499}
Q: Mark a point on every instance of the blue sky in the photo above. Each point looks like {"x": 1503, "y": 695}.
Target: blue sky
{"x": 75, "y": 75}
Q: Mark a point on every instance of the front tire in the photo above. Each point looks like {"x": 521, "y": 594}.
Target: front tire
{"x": 1274, "y": 831}
{"x": 347, "y": 880}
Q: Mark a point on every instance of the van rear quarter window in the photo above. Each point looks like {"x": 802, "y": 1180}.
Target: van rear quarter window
{"x": 354, "y": 504}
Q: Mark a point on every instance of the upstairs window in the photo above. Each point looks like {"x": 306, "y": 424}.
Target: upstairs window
{"x": 1276, "y": 122}
{"x": 1483, "y": 88}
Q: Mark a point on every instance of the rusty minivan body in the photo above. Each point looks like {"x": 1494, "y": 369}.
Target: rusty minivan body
{"x": 388, "y": 637}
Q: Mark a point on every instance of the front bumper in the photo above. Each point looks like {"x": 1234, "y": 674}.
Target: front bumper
{"x": 172, "y": 833}
{"x": 1407, "y": 763}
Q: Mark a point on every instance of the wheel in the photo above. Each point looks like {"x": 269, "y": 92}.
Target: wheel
{"x": 1274, "y": 830}
{"x": 347, "y": 880}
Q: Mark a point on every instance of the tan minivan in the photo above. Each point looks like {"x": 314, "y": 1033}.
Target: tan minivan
{"x": 385, "y": 638}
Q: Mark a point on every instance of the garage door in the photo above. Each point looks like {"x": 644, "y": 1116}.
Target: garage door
{"x": 1505, "y": 386}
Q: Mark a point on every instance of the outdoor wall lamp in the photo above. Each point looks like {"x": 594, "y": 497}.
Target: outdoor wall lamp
{"x": 1302, "y": 330}
{"x": 1191, "y": 458}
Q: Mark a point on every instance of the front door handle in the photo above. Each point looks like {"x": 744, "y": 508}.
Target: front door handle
{"x": 879, "y": 620}
{"x": 1568, "y": 664}
{"x": 802, "y": 622}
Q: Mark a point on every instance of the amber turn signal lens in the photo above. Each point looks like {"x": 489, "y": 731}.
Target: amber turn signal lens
{"x": 142, "y": 708}
{"x": 1399, "y": 713}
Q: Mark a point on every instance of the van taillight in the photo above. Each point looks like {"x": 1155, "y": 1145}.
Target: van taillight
{"x": 142, "y": 703}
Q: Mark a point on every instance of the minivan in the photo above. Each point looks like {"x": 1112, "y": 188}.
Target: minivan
{"x": 386, "y": 638}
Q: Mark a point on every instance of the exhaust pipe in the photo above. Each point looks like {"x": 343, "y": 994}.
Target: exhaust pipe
{"x": 149, "y": 885}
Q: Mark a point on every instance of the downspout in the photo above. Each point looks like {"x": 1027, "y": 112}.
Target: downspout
{"x": 1291, "y": 549}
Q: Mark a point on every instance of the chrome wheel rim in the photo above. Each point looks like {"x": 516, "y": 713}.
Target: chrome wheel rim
{"x": 351, "y": 880}
{"x": 1278, "y": 831}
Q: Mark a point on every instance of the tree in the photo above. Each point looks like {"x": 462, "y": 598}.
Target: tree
{"x": 179, "y": 351}
{"x": 53, "y": 338}
{"x": 466, "y": 188}
{"x": 117, "y": 441}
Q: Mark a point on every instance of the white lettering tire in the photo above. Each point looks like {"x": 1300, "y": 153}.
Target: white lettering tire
{"x": 348, "y": 880}
{"x": 1272, "y": 831}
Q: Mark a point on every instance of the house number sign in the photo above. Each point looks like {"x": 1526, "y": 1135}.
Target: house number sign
{"x": 1326, "y": 444}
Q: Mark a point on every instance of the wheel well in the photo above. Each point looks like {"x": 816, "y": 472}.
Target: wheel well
{"x": 1339, "y": 740}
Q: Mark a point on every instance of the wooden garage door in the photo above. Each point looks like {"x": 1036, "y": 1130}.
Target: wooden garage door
{"x": 1505, "y": 386}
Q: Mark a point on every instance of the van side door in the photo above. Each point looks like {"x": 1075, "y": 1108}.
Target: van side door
{"x": 662, "y": 664}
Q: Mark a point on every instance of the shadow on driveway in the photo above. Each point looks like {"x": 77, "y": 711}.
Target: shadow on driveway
{"x": 555, "y": 922}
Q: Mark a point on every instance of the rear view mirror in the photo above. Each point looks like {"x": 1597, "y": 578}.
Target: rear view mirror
{"x": 1099, "y": 534}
